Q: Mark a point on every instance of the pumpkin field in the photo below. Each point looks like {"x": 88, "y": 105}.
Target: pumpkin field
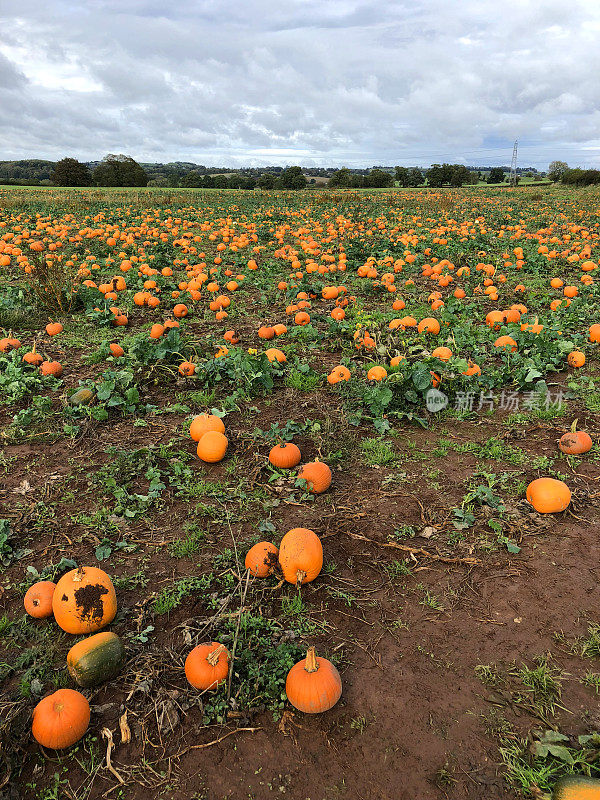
{"x": 299, "y": 494}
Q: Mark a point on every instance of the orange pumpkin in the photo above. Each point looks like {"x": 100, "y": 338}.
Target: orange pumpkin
{"x": 84, "y": 600}
{"x": 53, "y": 368}
{"x": 428, "y": 325}
{"x": 576, "y": 787}
{"x": 313, "y": 685}
{"x": 212, "y": 447}
{"x": 285, "y": 456}
{"x": 317, "y": 476}
{"x": 116, "y": 350}
{"x": 38, "y": 599}
{"x": 7, "y": 344}
{"x": 337, "y": 374}
{"x": 204, "y": 423}
{"x": 266, "y": 332}
{"x": 575, "y": 442}
{"x": 60, "y": 719}
{"x": 157, "y": 330}
{"x": 506, "y": 342}
{"x": 548, "y": 495}
{"x": 53, "y": 328}
{"x": 576, "y": 359}
{"x": 186, "y": 368}
{"x": 300, "y": 556}
{"x": 33, "y": 358}
{"x": 261, "y": 559}
{"x": 443, "y": 353}
{"x": 377, "y": 373}
{"x": 273, "y": 354}
{"x": 207, "y": 665}
{"x": 302, "y": 318}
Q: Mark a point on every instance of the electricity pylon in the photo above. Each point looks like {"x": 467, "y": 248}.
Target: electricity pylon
{"x": 513, "y": 165}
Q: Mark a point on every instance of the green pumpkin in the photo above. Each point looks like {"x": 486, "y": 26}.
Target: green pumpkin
{"x": 576, "y": 787}
{"x": 82, "y": 397}
{"x": 96, "y": 659}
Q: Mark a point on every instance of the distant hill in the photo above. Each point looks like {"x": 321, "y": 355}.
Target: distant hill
{"x": 29, "y": 169}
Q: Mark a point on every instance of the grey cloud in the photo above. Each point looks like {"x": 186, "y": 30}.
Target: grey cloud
{"x": 336, "y": 81}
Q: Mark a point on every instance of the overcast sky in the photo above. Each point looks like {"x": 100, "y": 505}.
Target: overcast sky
{"x": 311, "y": 82}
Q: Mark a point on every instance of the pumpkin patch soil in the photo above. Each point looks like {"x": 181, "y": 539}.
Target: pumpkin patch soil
{"x": 442, "y": 623}
{"x": 414, "y": 720}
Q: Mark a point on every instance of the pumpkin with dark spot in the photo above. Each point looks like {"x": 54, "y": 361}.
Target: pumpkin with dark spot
{"x": 84, "y": 600}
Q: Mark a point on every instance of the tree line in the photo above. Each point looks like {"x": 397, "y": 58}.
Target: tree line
{"x": 437, "y": 175}
{"x": 122, "y": 170}
{"x": 559, "y": 171}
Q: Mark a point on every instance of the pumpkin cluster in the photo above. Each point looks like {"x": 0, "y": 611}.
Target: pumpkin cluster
{"x": 208, "y": 431}
{"x": 82, "y": 602}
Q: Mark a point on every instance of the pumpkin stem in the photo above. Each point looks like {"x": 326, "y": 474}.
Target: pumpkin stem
{"x": 574, "y": 426}
{"x": 78, "y": 577}
{"x": 311, "y": 664}
{"x": 300, "y": 575}
{"x": 213, "y": 657}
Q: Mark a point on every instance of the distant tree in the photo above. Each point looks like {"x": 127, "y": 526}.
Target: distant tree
{"x": 591, "y": 177}
{"x": 459, "y": 175}
{"x": 415, "y": 177}
{"x": 378, "y": 179}
{"x": 402, "y": 175}
{"x": 557, "y": 169}
{"x": 161, "y": 182}
{"x": 240, "y": 181}
{"x": 435, "y": 175}
{"x": 443, "y": 174}
{"x": 119, "y": 171}
{"x": 409, "y": 177}
{"x": 581, "y": 177}
{"x": 193, "y": 180}
{"x": 293, "y": 178}
{"x": 341, "y": 179}
{"x": 70, "y": 172}
{"x": 266, "y": 180}
{"x": 220, "y": 181}
{"x": 496, "y": 175}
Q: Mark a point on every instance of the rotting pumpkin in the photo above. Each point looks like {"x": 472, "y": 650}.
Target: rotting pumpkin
{"x": 575, "y": 442}
{"x": 84, "y": 600}
{"x": 262, "y": 559}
